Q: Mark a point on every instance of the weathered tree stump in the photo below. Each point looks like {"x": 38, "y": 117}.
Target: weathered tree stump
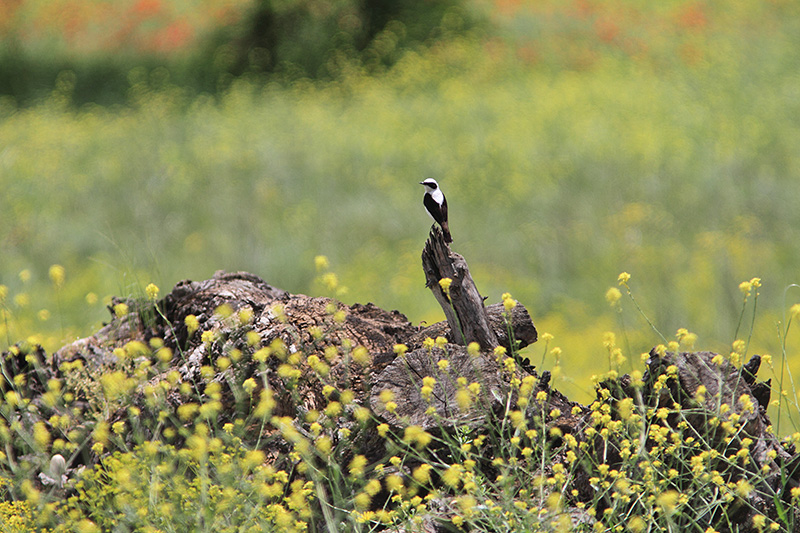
{"x": 522, "y": 329}
{"x": 462, "y": 303}
{"x": 404, "y": 378}
{"x": 299, "y": 327}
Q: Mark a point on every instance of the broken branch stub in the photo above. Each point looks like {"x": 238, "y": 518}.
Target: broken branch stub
{"x": 462, "y": 303}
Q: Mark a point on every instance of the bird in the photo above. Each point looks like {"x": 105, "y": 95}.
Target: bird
{"x": 436, "y": 206}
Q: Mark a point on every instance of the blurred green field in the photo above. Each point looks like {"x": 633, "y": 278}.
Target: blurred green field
{"x": 571, "y": 147}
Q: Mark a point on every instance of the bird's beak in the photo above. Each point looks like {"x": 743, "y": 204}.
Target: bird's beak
{"x": 422, "y": 183}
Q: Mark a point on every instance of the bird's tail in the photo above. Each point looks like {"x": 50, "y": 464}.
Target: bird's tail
{"x": 446, "y": 230}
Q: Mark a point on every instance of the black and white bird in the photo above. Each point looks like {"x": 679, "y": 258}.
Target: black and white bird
{"x": 436, "y": 205}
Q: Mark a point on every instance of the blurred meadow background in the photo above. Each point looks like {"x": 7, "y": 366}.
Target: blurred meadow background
{"x": 148, "y": 141}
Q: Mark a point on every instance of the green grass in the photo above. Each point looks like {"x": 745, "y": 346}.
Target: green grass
{"x": 574, "y": 142}
{"x": 561, "y": 171}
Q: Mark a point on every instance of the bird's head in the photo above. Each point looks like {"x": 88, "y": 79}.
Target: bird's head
{"x": 430, "y": 184}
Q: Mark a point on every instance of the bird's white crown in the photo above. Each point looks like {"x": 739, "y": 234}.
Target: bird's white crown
{"x": 430, "y": 184}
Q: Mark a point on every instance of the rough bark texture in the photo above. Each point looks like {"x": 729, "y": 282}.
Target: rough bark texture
{"x": 231, "y": 306}
{"x": 462, "y": 303}
{"x": 404, "y": 378}
{"x": 524, "y": 332}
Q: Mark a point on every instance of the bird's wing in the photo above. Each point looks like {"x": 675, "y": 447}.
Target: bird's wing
{"x": 434, "y": 209}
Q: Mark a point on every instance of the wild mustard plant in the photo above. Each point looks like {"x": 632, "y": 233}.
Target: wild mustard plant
{"x": 668, "y": 441}
{"x": 202, "y": 464}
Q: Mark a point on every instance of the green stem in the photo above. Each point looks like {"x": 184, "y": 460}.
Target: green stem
{"x": 654, "y": 328}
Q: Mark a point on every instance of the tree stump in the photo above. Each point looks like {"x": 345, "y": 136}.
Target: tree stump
{"x": 404, "y": 378}
{"x": 461, "y": 302}
{"x": 317, "y": 339}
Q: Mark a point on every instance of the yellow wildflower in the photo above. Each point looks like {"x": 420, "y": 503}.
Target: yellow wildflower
{"x": 361, "y": 356}
{"x": 422, "y": 473}
{"x": 613, "y": 295}
{"x": 356, "y": 466}
{"x": 418, "y": 436}
{"x": 57, "y": 275}
{"x": 668, "y": 501}
{"x": 508, "y": 302}
{"x": 330, "y": 280}
{"x": 321, "y": 263}
{"x": 745, "y": 287}
{"x": 152, "y": 291}
{"x": 445, "y": 283}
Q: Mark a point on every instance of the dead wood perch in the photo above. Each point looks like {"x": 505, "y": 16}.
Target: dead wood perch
{"x": 467, "y": 321}
{"x": 462, "y": 303}
{"x": 671, "y": 384}
{"x": 524, "y": 332}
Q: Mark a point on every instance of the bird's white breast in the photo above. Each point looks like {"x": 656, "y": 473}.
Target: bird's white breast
{"x": 437, "y": 196}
